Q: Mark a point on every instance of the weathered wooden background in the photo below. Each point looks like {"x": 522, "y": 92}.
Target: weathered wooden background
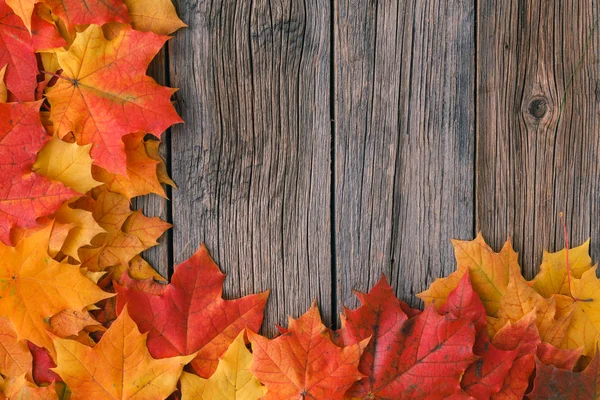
{"x": 329, "y": 141}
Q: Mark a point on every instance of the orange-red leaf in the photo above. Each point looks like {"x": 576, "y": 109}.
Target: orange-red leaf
{"x": 304, "y": 363}
{"x": 176, "y": 315}
{"x": 104, "y": 93}
{"x": 83, "y": 12}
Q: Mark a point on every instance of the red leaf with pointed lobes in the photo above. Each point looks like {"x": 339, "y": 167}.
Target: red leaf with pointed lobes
{"x": 190, "y": 314}
{"x": 303, "y": 363}
{"x": 83, "y": 12}
{"x": 552, "y": 383}
{"x": 42, "y": 364}
{"x": 561, "y": 358}
{"x": 16, "y": 51}
{"x": 24, "y": 196}
{"x": 485, "y": 376}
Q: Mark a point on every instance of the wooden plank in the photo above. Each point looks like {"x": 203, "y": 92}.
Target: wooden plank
{"x": 152, "y": 205}
{"x": 404, "y": 141}
{"x": 532, "y": 160}
{"x": 253, "y": 159}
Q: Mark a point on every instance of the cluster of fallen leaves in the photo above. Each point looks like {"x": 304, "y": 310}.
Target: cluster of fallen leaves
{"x": 83, "y": 316}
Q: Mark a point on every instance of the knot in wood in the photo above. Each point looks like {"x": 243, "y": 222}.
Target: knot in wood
{"x": 538, "y": 107}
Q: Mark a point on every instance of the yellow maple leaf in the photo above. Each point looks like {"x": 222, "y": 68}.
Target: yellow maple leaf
{"x": 139, "y": 269}
{"x": 552, "y": 278}
{"x": 3, "y": 90}
{"x": 153, "y": 151}
{"x": 232, "y": 380}
{"x": 34, "y": 287}
{"x": 489, "y": 272}
{"x": 68, "y": 163}
{"x": 158, "y": 16}
{"x": 85, "y": 229}
{"x": 70, "y": 322}
{"x": 15, "y": 358}
{"x": 118, "y": 367}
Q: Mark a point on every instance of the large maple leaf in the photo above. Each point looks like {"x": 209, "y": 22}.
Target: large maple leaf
{"x": 304, "y": 363}
{"x": 16, "y": 52}
{"x": 407, "y": 358}
{"x": 489, "y": 272}
{"x": 24, "y": 196}
{"x": 232, "y": 380}
{"x": 104, "y": 93}
{"x": 190, "y": 315}
{"x": 34, "y": 287}
{"x": 118, "y": 367}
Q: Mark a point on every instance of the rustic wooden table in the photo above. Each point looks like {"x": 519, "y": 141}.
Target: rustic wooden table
{"x": 329, "y": 141}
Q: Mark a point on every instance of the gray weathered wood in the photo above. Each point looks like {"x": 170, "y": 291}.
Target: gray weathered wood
{"x": 253, "y": 159}
{"x": 533, "y": 161}
{"x": 153, "y": 205}
{"x": 404, "y": 140}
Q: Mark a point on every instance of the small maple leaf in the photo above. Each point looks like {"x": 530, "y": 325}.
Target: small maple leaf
{"x": 489, "y": 272}
{"x": 16, "y": 52}
{"x": 118, "y": 367}
{"x": 104, "y": 93}
{"x": 158, "y": 16}
{"x": 34, "y": 287}
{"x": 176, "y": 315}
{"x": 232, "y": 380}
{"x": 304, "y": 362}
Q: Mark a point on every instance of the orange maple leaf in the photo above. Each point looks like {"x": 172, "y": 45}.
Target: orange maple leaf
{"x": 104, "y": 93}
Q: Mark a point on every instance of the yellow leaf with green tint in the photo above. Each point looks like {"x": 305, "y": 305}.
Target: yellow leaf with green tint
{"x": 232, "y": 380}
{"x": 552, "y": 278}
{"x": 68, "y": 163}
{"x": 489, "y": 272}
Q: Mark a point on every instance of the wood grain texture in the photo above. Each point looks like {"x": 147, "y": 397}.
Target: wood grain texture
{"x": 536, "y": 158}
{"x": 253, "y": 158}
{"x": 152, "y": 205}
{"x": 404, "y": 141}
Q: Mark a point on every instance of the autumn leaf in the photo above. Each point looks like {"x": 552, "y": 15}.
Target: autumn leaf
{"x": 18, "y": 388}
{"x": 68, "y": 163}
{"x": 304, "y": 362}
{"x": 16, "y": 52}
{"x": 34, "y": 287}
{"x": 152, "y": 149}
{"x": 138, "y": 269}
{"x": 232, "y": 380}
{"x": 555, "y": 383}
{"x": 552, "y": 278}
{"x": 175, "y": 315}
{"x": 489, "y": 272}
{"x": 158, "y": 16}
{"x": 560, "y": 358}
{"x": 70, "y": 322}
{"x": 141, "y": 177}
{"x": 44, "y": 35}
{"x": 118, "y": 367}
{"x": 84, "y": 230}
{"x": 83, "y": 12}
{"x": 104, "y": 93}
{"x": 42, "y": 365}
{"x": 24, "y": 196}
{"x": 15, "y": 358}
{"x": 3, "y": 90}
{"x": 24, "y": 9}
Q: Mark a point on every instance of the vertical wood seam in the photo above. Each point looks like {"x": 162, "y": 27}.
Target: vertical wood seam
{"x": 332, "y": 116}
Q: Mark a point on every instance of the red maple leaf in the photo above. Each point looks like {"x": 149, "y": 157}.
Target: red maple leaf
{"x": 16, "y": 52}
{"x": 190, "y": 314}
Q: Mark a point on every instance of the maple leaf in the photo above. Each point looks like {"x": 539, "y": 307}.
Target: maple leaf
{"x": 70, "y": 322}
{"x": 24, "y": 9}
{"x": 84, "y": 229}
{"x": 16, "y": 52}
{"x": 552, "y": 278}
{"x": 554, "y": 383}
{"x": 18, "y": 388}
{"x": 42, "y": 365}
{"x": 24, "y": 196}
{"x": 138, "y": 269}
{"x": 83, "y": 12}
{"x": 104, "y": 93}
{"x": 158, "y": 16}
{"x": 3, "y": 90}
{"x": 175, "y": 316}
{"x": 489, "y": 272}
{"x": 561, "y": 358}
{"x": 34, "y": 287}
{"x": 304, "y": 362}
{"x": 15, "y": 358}
{"x": 44, "y": 35}
{"x": 232, "y": 380}
{"x": 141, "y": 178}
{"x": 119, "y": 366}
{"x": 68, "y": 163}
